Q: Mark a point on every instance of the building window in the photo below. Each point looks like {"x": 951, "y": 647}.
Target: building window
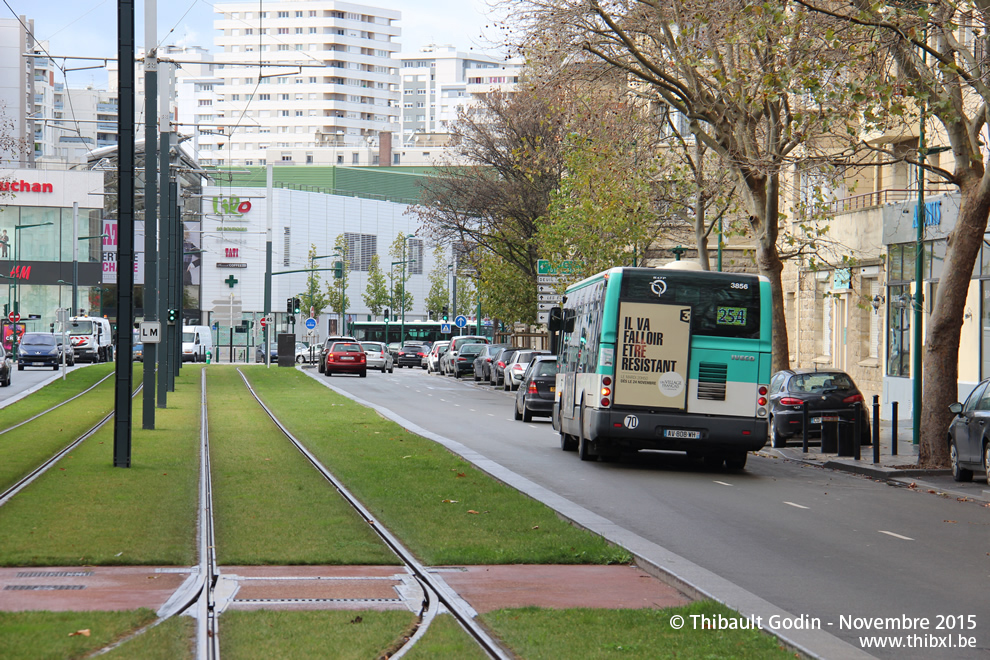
{"x": 360, "y": 249}
{"x": 414, "y": 252}
{"x": 900, "y": 309}
{"x": 286, "y": 246}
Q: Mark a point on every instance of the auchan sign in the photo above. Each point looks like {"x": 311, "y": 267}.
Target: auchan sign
{"x": 25, "y": 186}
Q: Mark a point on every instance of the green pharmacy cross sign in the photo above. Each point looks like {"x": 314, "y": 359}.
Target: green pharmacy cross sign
{"x": 230, "y": 281}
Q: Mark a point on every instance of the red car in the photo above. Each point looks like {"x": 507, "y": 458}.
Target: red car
{"x": 346, "y": 358}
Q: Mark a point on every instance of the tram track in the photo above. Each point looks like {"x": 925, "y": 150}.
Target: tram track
{"x": 47, "y": 464}
{"x": 437, "y": 594}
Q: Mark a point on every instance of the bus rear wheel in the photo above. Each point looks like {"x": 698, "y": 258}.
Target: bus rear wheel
{"x": 584, "y": 445}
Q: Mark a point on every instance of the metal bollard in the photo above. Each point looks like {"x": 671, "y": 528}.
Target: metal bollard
{"x": 876, "y": 429}
{"x": 893, "y": 428}
{"x": 857, "y": 429}
{"x": 804, "y": 426}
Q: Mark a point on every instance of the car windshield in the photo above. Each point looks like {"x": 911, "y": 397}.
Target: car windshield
{"x": 38, "y": 340}
{"x": 81, "y": 328}
{"x": 546, "y": 368}
{"x": 370, "y": 346}
{"x": 522, "y": 356}
{"x": 188, "y": 337}
{"x": 472, "y": 348}
{"x": 821, "y": 381}
{"x": 346, "y": 348}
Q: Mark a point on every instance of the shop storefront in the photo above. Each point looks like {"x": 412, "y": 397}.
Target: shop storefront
{"x": 50, "y": 227}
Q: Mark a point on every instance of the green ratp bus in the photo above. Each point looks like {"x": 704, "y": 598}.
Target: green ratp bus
{"x": 666, "y": 359}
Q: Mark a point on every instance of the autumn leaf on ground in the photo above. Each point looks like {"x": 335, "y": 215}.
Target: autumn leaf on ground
{"x": 459, "y": 475}
{"x": 84, "y": 633}
{"x": 949, "y": 521}
{"x": 449, "y": 501}
{"x": 472, "y": 511}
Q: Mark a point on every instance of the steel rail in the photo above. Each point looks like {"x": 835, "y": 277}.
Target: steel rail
{"x": 432, "y": 587}
{"x": 47, "y": 464}
{"x": 207, "y": 641}
{"x": 57, "y": 405}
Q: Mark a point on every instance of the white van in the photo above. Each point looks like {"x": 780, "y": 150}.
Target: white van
{"x": 196, "y": 342}
{"x": 91, "y": 338}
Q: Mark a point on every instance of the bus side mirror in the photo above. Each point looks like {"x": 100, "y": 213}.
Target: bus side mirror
{"x": 569, "y": 316}
{"x": 556, "y": 321}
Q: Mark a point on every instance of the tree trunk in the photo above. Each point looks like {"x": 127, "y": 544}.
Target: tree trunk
{"x": 940, "y": 385}
{"x": 700, "y": 236}
{"x": 762, "y": 196}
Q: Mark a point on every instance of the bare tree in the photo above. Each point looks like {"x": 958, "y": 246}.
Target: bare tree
{"x": 753, "y": 81}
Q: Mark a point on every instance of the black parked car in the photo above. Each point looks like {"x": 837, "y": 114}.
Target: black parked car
{"x": 42, "y": 349}
{"x": 969, "y": 435}
{"x": 831, "y": 395}
{"x": 536, "y": 392}
{"x": 464, "y": 362}
{"x": 483, "y": 363}
{"x": 411, "y": 355}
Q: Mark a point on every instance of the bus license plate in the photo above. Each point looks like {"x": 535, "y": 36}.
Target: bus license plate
{"x": 681, "y": 433}
{"x": 826, "y": 418}
{"x": 552, "y": 389}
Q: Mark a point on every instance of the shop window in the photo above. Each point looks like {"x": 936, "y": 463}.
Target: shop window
{"x": 900, "y": 308}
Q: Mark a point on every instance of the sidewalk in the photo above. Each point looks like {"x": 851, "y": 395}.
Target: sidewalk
{"x": 900, "y": 468}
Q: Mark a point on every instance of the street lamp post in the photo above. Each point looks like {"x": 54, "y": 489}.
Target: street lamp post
{"x": 402, "y": 281}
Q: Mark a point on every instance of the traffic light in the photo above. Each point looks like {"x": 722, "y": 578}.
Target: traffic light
{"x": 296, "y": 305}
{"x": 338, "y": 270}
{"x": 387, "y": 317}
{"x": 172, "y": 314}
{"x": 288, "y": 305}
{"x": 445, "y": 310}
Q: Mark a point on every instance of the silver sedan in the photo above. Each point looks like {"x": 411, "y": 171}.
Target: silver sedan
{"x": 378, "y": 356}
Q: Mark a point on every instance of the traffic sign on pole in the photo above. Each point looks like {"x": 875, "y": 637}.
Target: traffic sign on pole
{"x": 263, "y": 321}
{"x": 13, "y": 317}
{"x": 310, "y": 324}
{"x": 460, "y": 321}
{"x": 445, "y": 328}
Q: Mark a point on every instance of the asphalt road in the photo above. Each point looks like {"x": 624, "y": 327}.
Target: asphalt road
{"x": 24, "y": 382}
{"x": 815, "y": 542}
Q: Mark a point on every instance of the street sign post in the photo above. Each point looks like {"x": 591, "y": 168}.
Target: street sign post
{"x": 13, "y": 317}
{"x": 310, "y": 324}
{"x": 460, "y": 321}
{"x": 151, "y": 332}
{"x": 445, "y": 328}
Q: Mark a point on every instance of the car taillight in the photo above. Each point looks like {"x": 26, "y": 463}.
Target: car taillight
{"x": 532, "y": 388}
{"x": 517, "y": 367}
{"x": 330, "y": 357}
{"x": 790, "y": 401}
{"x": 401, "y": 353}
{"x": 853, "y": 399}
{"x": 420, "y": 354}
{"x": 501, "y": 364}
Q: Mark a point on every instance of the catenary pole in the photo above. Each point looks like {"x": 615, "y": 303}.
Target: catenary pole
{"x": 150, "y": 205}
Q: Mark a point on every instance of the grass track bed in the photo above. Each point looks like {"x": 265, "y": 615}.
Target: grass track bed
{"x": 598, "y": 634}
{"x": 25, "y": 448}
{"x": 271, "y": 506}
{"x": 48, "y": 635}
{"x": 341, "y": 635}
{"x": 85, "y": 511}
{"x": 440, "y": 506}
{"x": 446, "y": 640}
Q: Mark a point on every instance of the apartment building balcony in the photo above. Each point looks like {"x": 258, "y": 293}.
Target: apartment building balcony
{"x": 879, "y": 198}
{"x": 106, "y": 107}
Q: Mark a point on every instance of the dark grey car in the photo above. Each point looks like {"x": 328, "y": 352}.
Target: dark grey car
{"x": 832, "y": 399}
{"x": 969, "y": 435}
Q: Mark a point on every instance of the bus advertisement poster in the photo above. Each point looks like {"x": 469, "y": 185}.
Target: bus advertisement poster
{"x": 652, "y": 361}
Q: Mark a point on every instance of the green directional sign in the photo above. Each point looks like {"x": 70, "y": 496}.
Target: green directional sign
{"x": 543, "y": 267}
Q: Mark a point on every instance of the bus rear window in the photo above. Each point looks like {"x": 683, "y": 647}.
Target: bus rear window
{"x": 723, "y": 304}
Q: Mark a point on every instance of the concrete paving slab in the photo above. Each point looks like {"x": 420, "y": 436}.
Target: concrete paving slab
{"x": 83, "y": 589}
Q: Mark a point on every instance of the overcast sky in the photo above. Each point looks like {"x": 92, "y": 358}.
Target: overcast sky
{"x": 88, "y": 27}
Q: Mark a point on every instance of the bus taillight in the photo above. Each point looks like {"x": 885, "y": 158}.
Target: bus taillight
{"x": 606, "y": 403}
{"x": 606, "y": 391}
{"x": 761, "y": 401}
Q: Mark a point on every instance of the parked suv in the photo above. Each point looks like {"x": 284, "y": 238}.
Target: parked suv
{"x": 333, "y": 339}
{"x": 411, "y": 355}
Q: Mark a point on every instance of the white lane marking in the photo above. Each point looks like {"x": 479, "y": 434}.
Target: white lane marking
{"x": 722, "y": 483}
{"x": 472, "y": 410}
{"x": 896, "y": 536}
{"x": 799, "y": 506}
{"x": 532, "y": 426}
{"x": 491, "y": 415}
{"x": 457, "y": 405}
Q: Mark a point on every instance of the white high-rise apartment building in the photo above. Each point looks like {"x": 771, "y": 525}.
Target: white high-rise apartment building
{"x": 438, "y": 81}
{"x": 338, "y": 86}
